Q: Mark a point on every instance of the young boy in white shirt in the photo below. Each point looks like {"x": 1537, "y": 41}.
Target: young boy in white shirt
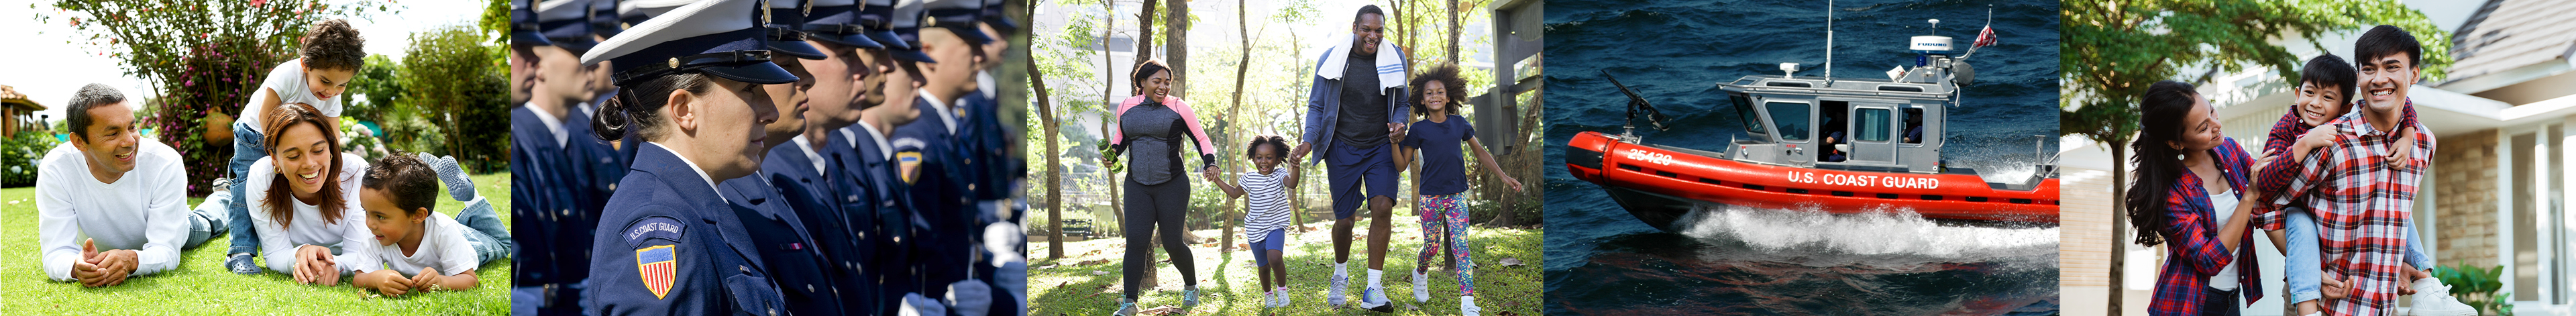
{"x": 332, "y": 52}
{"x": 423, "y": 250}
{"x": 112, "y": 204}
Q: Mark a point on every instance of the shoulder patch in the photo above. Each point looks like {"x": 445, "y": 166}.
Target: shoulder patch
{"x": 657, "y": 265}
{"x": 650, "y": 228}
{"x": 910, "y": 164}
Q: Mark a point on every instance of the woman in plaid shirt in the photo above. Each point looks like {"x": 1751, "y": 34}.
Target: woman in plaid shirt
{"x": 2189, "y": 191}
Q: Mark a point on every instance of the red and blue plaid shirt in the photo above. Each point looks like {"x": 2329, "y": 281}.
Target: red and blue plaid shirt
{"x": 2192, "y": 249}
{"x": 2363, "y": 204}
{"x": 2276, "y": 177}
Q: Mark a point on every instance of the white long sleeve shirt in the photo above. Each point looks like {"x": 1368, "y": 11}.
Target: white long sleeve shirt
{"x": 278, "y": 242}
{"x": 145, "y": 210}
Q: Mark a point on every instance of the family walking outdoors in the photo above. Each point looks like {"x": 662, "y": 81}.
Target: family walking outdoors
{"x": 1369, "y": 117}
{"x": 2333, "y": 189}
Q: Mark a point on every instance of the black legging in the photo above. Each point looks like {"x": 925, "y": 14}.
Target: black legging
{"x": 1149, "y": 206}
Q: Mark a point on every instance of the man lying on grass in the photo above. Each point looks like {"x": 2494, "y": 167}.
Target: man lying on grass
{"x": 111, "y": 204}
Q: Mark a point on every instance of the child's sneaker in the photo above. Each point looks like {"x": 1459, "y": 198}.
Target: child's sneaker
{"x": 1421, "y": 288}
{"x": 1283, "y": 297}
{"x": 1467, "y": 306}
{"x": 2432, "y": 298}
{"x": 1126, "y": 307}
{"x": 1375, "y": 299}
{"x": 459, "y": 185}
{"x": 241, "y": 263}
{"x": 1334, "y": 296}
{"x": 224, "y": 184}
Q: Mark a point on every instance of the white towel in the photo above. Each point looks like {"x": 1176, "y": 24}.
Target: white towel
{"x": 1390, "y": 62}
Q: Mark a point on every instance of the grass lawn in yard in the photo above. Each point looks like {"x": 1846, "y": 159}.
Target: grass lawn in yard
{"x": 200, "y": 285}
{"x": 1088, "y": 281}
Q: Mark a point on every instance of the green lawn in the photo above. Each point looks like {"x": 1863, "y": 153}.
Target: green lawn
{"x": 201, "y": 286}
{"x": 1087, "y": 280}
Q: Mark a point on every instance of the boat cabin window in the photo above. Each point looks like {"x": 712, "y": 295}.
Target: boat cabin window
{"x": 1744, "y": 113}
{"x": 1790, "y": 119}
{"x": 1873, "y": 125}
{"x": 1835, "y": 130}
{"x": 1913, "y": 125}
{"x": 1788, "y": 84}
{"x": 1900, "y": 88}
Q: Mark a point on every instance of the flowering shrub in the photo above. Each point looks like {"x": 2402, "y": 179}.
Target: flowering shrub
{"x": 204, "y": 56}
{"x": 19, "y": 154}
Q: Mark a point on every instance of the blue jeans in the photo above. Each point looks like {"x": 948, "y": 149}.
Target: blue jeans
{"x": 486, "y": 233}
{"x": 247, "y": 149}
{"x": 2300, "y": 228}
{"x": 207, "y": 219}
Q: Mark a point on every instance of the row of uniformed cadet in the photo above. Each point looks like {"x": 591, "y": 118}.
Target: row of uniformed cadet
{"x": 839, "y": 167}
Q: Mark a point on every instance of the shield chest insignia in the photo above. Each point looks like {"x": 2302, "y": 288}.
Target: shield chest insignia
{"x": 657, "y": 264}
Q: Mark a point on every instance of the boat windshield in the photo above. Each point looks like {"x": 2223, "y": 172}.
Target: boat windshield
{"x": 1744, "y": 113}
{"x": 1791, "y": 119}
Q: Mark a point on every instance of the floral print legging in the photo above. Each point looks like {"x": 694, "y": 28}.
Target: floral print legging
{"x": 1444, "y": 221}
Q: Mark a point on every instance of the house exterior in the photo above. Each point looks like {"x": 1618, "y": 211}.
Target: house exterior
{"x": 17, "y": 113}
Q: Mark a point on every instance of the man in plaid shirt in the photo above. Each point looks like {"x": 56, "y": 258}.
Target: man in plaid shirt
{"x": 2325, "y": 93}
{"x": 2361, "y": 185}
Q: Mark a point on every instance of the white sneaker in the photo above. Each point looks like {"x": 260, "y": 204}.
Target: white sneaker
{"x": 1270, "y": 299}
{"x": 1334, "y": 296}
{"x": 1421, "y": 288}
{"x": 1375, "y": 299}
{"x": 1467, "y": 306}
{"x": 1283, "y": 298}
{"x": 2432, "y": 298}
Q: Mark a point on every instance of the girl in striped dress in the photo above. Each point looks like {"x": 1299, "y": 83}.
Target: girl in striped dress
{"x": 1265, "y": 226}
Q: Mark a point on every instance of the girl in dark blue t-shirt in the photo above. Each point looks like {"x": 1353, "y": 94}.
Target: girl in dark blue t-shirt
{"x": 1440, "y": 137}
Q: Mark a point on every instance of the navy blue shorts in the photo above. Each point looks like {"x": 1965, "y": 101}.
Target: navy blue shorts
{"x": 1276, "y": 239}
{"x": 1354, "y": 168}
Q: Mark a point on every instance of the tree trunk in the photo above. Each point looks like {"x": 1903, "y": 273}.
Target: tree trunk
{"x": 1054, "y": 163}
{"x": 1242, "y": 30}
{"x": 1145, "y": 31}
{"x": 1452, "y": 56}
{"x": 2119, "y": 220}
{"x": 1176, "y": 48}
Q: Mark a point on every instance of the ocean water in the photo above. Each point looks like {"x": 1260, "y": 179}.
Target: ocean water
{"x": 1792, "y": 262}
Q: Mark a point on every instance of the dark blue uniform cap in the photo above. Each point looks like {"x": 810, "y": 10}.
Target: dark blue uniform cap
{"x": 783, "y": 37}
{"x": 836, "y": 21}
{"x": 878, "y": 17}
{"x": 566, "y": 23}
{"x": 523, "y": 26}
{"x": 906, "y": 23}
{"x": 993, "y": 14}
{"x": 603, "y": 18}
{"x": 715, "y": 37}
{"x": 911, "y": 54}
{"x": 958, "y": 16}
